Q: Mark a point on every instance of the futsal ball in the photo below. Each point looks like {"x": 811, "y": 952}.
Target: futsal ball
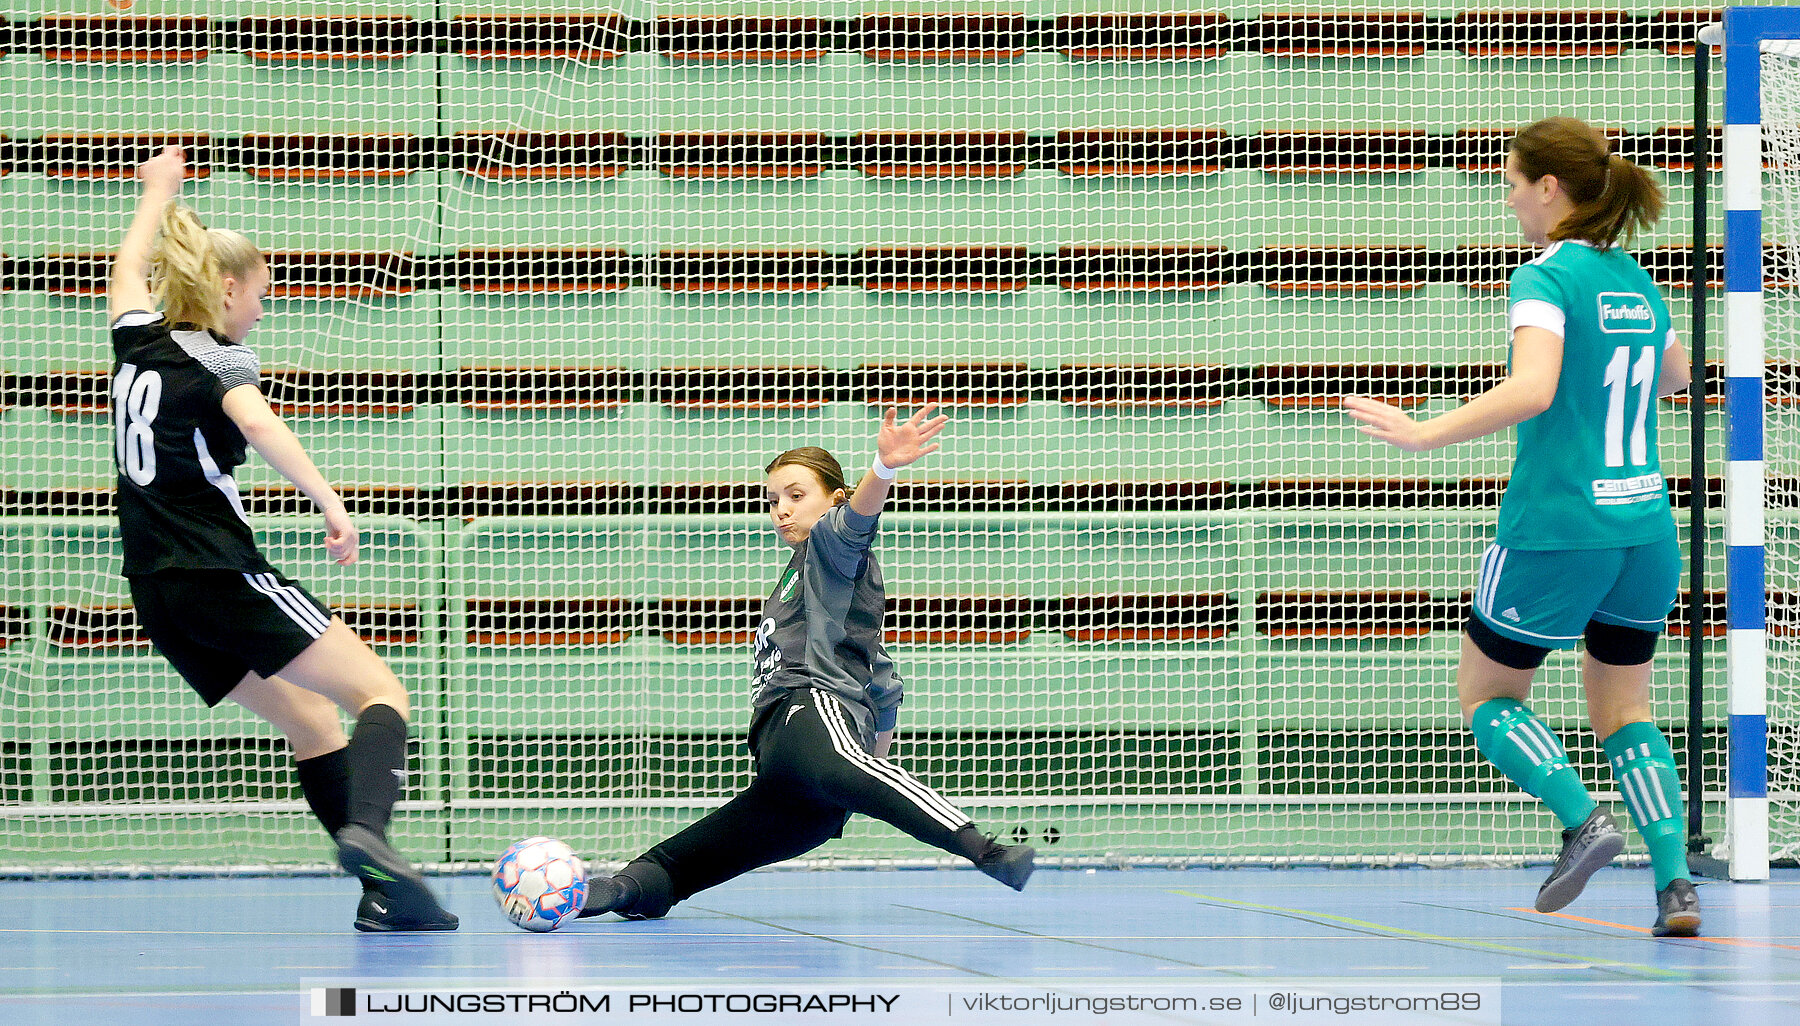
{"x": 539, "y": 883}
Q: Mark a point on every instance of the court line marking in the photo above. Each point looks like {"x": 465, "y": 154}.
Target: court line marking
{"x": 1692, "y": 981}
{"x": 585, "y": 931}
{"x": 1736, "y": 942}
{"x": 62, "y": 995}
{"x": 1206, "y": 967}
{"x": 1502, "y": 914}
{"x": 1329, "y": 920}
{"x": 196, "y": 932}
{"x": 1023, "y": 934}
{"x": 848, "y": 944}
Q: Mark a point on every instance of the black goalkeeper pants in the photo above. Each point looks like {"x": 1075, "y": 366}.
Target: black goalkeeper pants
{"x": 811, "y": 774}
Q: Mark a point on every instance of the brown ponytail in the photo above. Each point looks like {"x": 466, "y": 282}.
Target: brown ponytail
{"x": 823, "y": 465}
{"x": 1614, "y": 199}
{"x": 189, "y": 263}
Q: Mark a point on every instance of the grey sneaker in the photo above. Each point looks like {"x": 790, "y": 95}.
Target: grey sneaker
{"x": 1586, "y": 849}
{"x": 1677, "y": 910}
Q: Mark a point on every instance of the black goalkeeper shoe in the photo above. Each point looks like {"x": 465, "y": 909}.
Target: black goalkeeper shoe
{"x": 398, "y": 899}
{"x": 1677, "y": 910}
{"x": 1011, "y": 864}
{"x": 1586, "y": 849}
{"x": 607, "y": 894}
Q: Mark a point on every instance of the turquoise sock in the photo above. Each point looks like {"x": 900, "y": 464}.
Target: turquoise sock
{"x": 1530, "y": 755}
{"x": 1645, "y": 768}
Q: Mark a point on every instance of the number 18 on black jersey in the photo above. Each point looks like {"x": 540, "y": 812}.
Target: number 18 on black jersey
{"x": 175, "y": 448}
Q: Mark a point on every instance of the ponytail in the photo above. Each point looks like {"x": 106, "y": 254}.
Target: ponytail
{"x": 189, "y": 263}
{"x": 1614, "y": 199}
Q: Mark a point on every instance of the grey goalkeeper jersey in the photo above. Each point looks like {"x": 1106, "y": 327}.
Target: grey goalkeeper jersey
{"x": 822, "y": 627}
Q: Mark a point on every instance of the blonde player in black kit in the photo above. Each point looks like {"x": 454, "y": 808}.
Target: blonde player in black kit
{"x": 825, "y": 700}
{"x": 185, "y": 401}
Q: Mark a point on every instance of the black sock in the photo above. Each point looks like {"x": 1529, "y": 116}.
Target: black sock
{"x": 325, "y": 781}
{"x": 377, "y": 758}
{"x": 972, "y": 845}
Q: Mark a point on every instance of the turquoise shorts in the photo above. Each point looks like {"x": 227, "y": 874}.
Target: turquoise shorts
{"x": 1547, "y": 598}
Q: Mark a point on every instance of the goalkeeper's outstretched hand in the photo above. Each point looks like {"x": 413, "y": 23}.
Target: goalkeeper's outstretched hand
{"x": 904, "y": 442}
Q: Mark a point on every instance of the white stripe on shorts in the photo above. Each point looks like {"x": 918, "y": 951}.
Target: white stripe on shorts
{"x": 1492, "y": 565}
{"x": 294, "y": 603}
{"x": 299, "y": 600}
{"x": 928, "y": 801}
{"x": 1481, "y": 580}
{"x": 291, "y": 602}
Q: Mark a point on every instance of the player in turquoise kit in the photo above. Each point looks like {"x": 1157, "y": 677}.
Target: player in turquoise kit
{"x": 1586, "y": 549}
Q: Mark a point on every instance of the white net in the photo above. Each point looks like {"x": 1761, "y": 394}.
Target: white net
{"x": 554, "y": 281}
{"x": 1781, "y": 447}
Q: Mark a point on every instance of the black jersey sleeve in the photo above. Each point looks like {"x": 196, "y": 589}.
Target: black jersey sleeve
{"x": 842, "y": 538}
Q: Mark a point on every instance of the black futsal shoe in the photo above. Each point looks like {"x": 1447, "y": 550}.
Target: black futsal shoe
{"x": 399, "y": 900}
{"x": 607, "y": 894}
{"x": 1011, "y": 864}
{"x": 1587, "y": 848}
{"x": 1677, "y": 910}
{"x": 375, "y": 914}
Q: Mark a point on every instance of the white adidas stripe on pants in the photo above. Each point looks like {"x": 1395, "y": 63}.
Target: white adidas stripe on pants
{"x": 913, "y": 789}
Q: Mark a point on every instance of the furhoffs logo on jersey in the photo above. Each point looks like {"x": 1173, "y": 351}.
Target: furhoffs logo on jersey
{"x": 1626, "y": 313}
{"x": 789, "y": 581}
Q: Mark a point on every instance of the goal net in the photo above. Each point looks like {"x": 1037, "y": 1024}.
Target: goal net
{"x": 553, "y": 281}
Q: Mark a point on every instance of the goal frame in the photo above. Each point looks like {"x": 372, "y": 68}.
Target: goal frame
{"x": 1746, "y": 651}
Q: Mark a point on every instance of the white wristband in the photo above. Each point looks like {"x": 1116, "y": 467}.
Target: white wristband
{"x": 882, "y": 470}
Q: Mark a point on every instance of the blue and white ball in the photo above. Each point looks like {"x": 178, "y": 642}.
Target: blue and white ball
{"x": 539, "y": 883}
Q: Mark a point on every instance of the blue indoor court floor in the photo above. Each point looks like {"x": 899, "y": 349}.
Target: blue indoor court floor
{"x": 249, "y": 949}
